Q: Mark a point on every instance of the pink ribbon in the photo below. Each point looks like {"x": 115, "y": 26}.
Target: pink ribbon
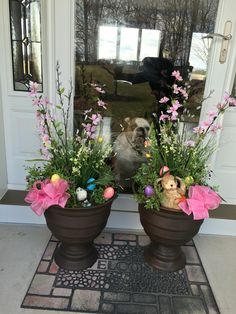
{"x": 44, "y": 194}
{"x": 201, "y": 199}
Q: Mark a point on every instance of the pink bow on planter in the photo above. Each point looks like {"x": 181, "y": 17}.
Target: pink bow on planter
{"x": 201, "y": 199}
{"x": 44, "y": 194}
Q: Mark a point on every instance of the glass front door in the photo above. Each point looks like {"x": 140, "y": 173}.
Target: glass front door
{"x": 131, "y": 48}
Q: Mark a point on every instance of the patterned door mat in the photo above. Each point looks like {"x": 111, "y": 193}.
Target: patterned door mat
{"x": 121, "y": 282}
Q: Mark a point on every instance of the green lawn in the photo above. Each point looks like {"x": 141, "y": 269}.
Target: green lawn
{"x": 130, "y": 101}
{"x": 134, "y": 100}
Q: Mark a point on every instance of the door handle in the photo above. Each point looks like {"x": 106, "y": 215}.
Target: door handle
{"x": 226, "y": 36}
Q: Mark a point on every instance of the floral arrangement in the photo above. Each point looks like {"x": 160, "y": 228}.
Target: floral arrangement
{"x": 176, "y": 174}
{"x": 74, "y": 170}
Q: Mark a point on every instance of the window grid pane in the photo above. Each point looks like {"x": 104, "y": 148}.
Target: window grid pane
{"x": 26, "y": 43}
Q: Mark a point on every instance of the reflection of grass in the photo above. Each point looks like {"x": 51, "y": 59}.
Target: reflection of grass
{"x": 131, "y": 101}
{"x": 136, "y": 100}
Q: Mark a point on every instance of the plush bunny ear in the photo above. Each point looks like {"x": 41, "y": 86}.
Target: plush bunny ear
{"x": 181, "y": 183}
{"x": 158, "y": 180}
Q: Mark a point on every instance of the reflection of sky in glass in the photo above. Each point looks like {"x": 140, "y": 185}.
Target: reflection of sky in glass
{"x": 128, "y": 43}
{"x": 198, "y": 52}
{"x": 150, "y": 44}
{"x": 107, "y": 42}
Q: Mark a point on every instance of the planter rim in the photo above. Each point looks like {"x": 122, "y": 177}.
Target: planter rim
{"x": 166, "y": 211}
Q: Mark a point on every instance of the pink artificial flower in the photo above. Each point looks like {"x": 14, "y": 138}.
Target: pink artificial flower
{"x": 99, "y": 90}
{"x": 221, "y": 106}
{"x": 205, "y": 124}
{"x": 33, "y": 86}
{"x": 212, "y": 114}
{"x": 89, "y": 130}
{"x": 35, "y": 101}
{"x": 96, "y": 118}
{"x": 87, "y": 111}
{"x": 183, "y": 92}
{"x": 45, "y": 101}
{"x": 176, "y": 105}
{"x": 38, "y": 115}
{"x": 176, "y": 89}
{"x": 226, "y": 96}
{"x": 173, "y": 110}
{"x": 45, "y": 153}
{"x": 215, "y": 127}
{"x": 102, "y": 104}
{"x": 174, "y": 115}
{"x": 198, "y": 130}
{"x": 164, "y": 117}
{"x": 42, "y": 129}
{"x": 163, "y": 100}
{"x": 45, "y": 138}
{"x": 177, "y": 75}
{"x": 201, "y": 199}
{"x": 190, "y": 143}
{"x": 44, "y": 194}
{"x": 50, "y": 117}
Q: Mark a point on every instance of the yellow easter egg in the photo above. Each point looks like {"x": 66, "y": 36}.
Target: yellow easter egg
{"x": 148, "y": 155}
{"x": 55, "y": 178}
{"x": 100, "y": 139}
{"x": 188, "y": 180}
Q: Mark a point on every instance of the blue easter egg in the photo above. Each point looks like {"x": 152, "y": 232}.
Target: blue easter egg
{"x": 90, "y": 180}
{"x": 91, "y": 187}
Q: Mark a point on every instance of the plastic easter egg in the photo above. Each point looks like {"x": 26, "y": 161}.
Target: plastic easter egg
{"x": 149, "y": 191}
{"x": 188, "y": 180}
{"x": 81, "y": 194}
{"x": 90, "y": 180}
{"x": 91, "y": 187}
{"x": 148, "y": 155}
{"x": 55, "y": 178}
{"x": 108, "y": 193}
{"x": 163, "y": 170}
{"x": 100, "y": 139}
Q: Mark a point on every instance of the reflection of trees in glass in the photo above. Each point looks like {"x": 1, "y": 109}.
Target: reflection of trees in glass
{"x": 177, "y": 19}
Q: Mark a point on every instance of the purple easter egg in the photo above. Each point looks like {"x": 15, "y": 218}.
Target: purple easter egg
{"x": 149, "y": 191}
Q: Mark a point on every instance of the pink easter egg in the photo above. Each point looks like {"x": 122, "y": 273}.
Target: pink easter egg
{"x": 163, "y": 170}
{"x": 108, "y": 193}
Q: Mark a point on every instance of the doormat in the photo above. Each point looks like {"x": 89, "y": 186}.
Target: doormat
{"x": 121, "y": 282}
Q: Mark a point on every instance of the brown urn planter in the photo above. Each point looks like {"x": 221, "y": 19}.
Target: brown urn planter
{"x": 76, "y": 229}
{"x": 168, "y": 231}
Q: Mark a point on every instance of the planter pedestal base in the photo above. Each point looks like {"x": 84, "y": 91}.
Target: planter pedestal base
{"x": 76, "y": 229}
{"x": 76, "y": 257}
{"x": 168, "y": 231}
{"x": 164, "y": 258}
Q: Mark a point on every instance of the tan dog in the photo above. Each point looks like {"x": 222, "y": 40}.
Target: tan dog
{"x": 129, "y": 148}
{"x": 171, "y": 192}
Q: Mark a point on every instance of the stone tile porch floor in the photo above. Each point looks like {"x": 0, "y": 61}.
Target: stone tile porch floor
{"x": 21, "y": 247}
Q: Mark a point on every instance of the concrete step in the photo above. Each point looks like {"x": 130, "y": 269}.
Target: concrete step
{"x": 124, "y": 215}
